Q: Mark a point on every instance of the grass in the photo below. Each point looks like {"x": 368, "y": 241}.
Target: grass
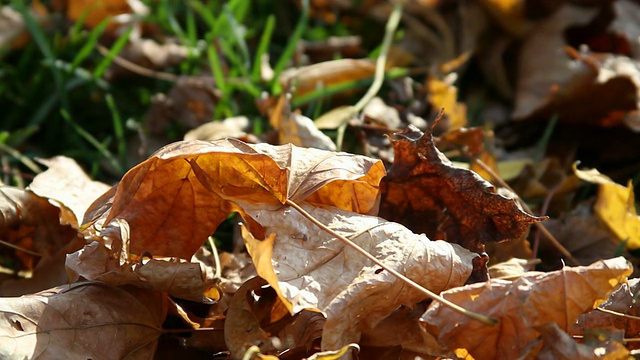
{"x": 60, "y": 99}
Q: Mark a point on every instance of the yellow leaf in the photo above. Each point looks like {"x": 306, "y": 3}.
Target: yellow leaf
{"x": 615, "y": 206}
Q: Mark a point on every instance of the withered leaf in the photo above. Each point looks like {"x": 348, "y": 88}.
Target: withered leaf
{"x": 312, "y": 269}
{"x": 427, "y": 193}
{"x": 197, "y": 182}
{"x": 557, "y": 344}
{"x": 80, "y": 321}
{"x": 532, "y": 300}
{"x": 34, "y": 224}
{"x": 66, "y": 182}
{"x": 295, "y": 128}
{"x": 179, "y": 278}
{"x": 241, "y": 327}
{"x": 622, "y": 301}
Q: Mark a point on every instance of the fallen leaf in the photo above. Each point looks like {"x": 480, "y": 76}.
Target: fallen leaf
{"x": 309, "y": 78}
{"x": 203, "y": 182}
{"x": 66, "y": 182}
{"x": 590, "y": 89}
{"x": 585, "y": 236}
{"x": 510, "y": 269}
{"x": 257, "y": 316}
{"x": 426, "y": 193}
{"x": 444, "y": 95}
{"x": 190, "y": 103}
{"x": 39, "y": 229}
{"x": 179, "y": 278}
{"x": 297, "y": 129}
{"x": 622, "y": 302}
{"x": 316, "y": 270}
{"x": 82, "y": 320}
{"x": 234, "y": 127}
{"x": 402, "y": 329}
{"x": 615, "y": 206}
{"x": 532, "y": 300}
{"x": 241, "y": 328}
{"x": 557, "y": 344}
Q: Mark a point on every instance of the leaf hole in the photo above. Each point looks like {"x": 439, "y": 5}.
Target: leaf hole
{"x": 17, "y": 325}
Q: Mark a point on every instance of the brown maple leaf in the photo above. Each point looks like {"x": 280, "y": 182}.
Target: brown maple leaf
{"x": 424, "y": 191}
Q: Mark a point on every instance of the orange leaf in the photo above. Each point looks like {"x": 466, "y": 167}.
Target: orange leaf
{"x": 533, "y": 300}
{"x": 178, "y": 197}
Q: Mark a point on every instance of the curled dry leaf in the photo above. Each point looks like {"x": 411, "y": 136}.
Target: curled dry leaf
{"x": 203, "y": 182}
{"x": 557, "y": 344}
{"x": 37, "y": 235}
{"x": 179, "y": 278}
{"x": 623, "y": 301}
{"x": 66, "y": 182}
{"x": 427, "y": 193}
{"x": 295, "y": 128}
{"x": 309, "y": 268}
{"x": 333, "y": 72}
{"x": 257, "y": 316}
{"x": 534, "y": 299}
{"x": 82, "y": 320}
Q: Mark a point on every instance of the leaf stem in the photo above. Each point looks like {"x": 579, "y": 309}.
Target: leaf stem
{"x": 482, "y": 318}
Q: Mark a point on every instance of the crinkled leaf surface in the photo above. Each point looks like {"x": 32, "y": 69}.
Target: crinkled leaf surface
{"x": 316, "y": 270}
{"x": 533, "y": 300}
{"x": 622, "y": 301}
{"x": 33, "y": 223}
{"x": 66, "y": 182}
{"x": 80, "y": 321}
{"x": 427, "y": 193}
{"x": 198, "y": 182}
{"x": 179, "y": 278}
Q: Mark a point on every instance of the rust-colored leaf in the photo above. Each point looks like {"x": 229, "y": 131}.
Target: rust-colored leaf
{"x": 532, "y": 300}
{"x": 35, "y": 227}
{"x": 80, "y": 321}
{"x": 427, "y": 193}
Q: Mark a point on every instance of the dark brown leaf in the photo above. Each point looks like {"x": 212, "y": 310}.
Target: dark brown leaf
{"x": 427, "y": 193}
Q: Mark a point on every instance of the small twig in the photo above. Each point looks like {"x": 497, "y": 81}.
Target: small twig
{"x": 21, "y": 157}
{"x": 381, "y": 61}
{"x": 543, "y": 210}
{"x": 8, "y": 244}
{"x": 137, "y": 69}
{"x": 526, "y": 207}
{"x": 612, "y": 312}
{"x": 482, "y": 318}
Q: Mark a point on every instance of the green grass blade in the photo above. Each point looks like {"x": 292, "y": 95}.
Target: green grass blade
{"x": 238, "y": 31}
{"x": 93, "y": 141}
{"x": 41, "y": 41}
{"x": 292, "y": 43}
{"x": 115, "y": 49}
{"x": 216, "y": 69}
{"x": 90, "y": 45}
{"x": 265, "y": 40}
{"x": 118, "y": 128}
